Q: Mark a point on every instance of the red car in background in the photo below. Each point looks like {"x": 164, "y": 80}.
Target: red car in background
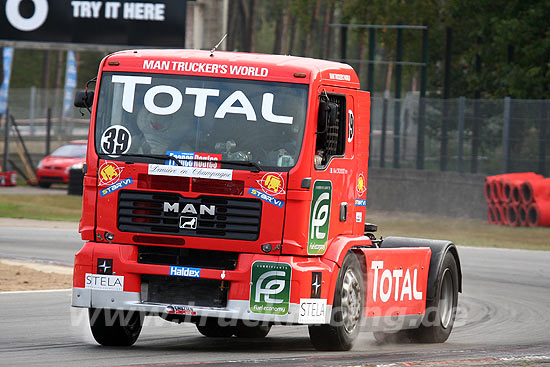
{"x": 55, "y": 167}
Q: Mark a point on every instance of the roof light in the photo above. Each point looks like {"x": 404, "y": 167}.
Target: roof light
{"x": 114, "y": 63}
{"x": 299, "y": 75}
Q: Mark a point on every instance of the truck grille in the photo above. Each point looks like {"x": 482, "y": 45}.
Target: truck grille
{"x": 184, "y": 291}
{"x": 205, "y": 216}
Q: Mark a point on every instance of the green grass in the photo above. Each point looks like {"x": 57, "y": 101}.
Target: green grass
{"x": 46, "y": 207}
{"x": 461, "y": 231}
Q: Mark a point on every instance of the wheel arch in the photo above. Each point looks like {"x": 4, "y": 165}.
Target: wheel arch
{"x": 439, "y": 249}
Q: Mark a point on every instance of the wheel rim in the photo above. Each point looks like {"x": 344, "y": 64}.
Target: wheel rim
{"x": 351, "y": 301}
{"x": 446, "y": 299}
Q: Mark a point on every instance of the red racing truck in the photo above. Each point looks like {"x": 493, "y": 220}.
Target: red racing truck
{"x": 229, "y": 190}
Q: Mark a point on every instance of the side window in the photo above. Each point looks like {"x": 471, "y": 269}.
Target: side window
{"x": 331, "y": 129}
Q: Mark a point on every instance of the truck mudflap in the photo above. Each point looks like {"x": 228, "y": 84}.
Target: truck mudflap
{"x": 396, "y": 286}
{"x": 279, "y": 289}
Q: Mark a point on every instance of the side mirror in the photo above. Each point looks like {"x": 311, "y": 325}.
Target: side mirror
{"x": 327, "y": 116}
{"x": 84, "y": 99}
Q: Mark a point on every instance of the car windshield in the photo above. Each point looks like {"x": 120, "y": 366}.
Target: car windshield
{"x": 70, "y": 151}
{"x": 201, "y": 118}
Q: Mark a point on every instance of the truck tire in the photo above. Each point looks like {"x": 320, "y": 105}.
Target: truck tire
{"x": 115, "y": 327}
{"x": 44, "y": 185}
{"x": 441, "y": 310}
{"x": 347, "y": 310}
{"x": 256, "y": 331}
{"x": 213, "y": 329}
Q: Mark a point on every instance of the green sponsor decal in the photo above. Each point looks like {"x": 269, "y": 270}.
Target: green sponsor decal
{"x": 270, "y": 287}
{"x": 319, "y": 218}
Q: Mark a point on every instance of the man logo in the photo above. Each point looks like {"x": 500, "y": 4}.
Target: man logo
{"x": 319, "y": 217}
{"x": 270, "y": 287}
{"x": 22, "y": 23}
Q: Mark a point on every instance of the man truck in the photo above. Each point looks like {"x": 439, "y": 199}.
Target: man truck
{"x": 229, "y": 190}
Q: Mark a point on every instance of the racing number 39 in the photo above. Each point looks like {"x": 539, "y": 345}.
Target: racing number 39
{"x": 319, "y": 218}
{"x": 116, "y": 140}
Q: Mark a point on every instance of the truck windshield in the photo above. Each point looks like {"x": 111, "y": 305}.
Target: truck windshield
{"x": 192, "y": 117}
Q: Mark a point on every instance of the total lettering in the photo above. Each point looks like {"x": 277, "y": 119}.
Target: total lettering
{"x": 236, "y": 103}
{"x": 390, "y": 282}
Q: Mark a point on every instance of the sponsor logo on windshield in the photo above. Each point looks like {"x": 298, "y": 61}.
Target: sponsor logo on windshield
{"x": 192, "y": 159}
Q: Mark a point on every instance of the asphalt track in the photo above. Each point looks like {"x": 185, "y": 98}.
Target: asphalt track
{"x": 503, "y": 319}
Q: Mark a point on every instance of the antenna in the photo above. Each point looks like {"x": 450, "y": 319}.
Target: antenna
{"x": 218, "y": 45}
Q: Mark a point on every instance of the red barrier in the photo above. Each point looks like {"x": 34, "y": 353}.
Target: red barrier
{"x": 522, "y": 212}
{"x": 538, "y": 214}
{"x": 513, "y": 215}
{"x": 497, "y": 209}
{"x": 491, "y": 214}
{"x": 535, "y": 190}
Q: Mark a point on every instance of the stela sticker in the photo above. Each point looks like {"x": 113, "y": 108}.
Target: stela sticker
{"x": 192, "y": 159}
{"x": 270, "y": 287}
{"x": 312, "y": 311}
{"x": 272, "y": 183}
{"x": 104, "y": 282}
{"x": 181, "y": 271}
{"x": 116, "y": 140}
{"x": 214, "y": 174}
{"x": 109, "y": 173}
{"x": 265, "y": 197}
{"x": 361, "y": 185}
{"x": 119, "y": 185}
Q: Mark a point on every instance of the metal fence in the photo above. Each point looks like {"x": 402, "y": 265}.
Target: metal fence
{"x": 485, "y": 136}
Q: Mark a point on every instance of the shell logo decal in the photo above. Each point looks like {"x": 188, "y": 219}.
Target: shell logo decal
{"x": 109, "y": 173}
{"x": 361, "y": 185}
{"x": 272, "y": 183}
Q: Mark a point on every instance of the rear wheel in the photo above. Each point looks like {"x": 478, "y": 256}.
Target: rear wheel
{"x": 255, "y": 331}
{"x": 347, "y": 311}
{"x": 441, "y": 311}
{"x": 115, "y": 327}
{"x": 212, "y": 328}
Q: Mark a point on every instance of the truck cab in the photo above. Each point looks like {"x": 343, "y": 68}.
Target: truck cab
{"x": 232, "y": 186}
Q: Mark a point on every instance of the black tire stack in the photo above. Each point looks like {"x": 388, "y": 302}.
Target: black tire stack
{"x": 76, "y": 182}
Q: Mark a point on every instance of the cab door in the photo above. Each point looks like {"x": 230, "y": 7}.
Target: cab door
{"x": 333, "y": 174}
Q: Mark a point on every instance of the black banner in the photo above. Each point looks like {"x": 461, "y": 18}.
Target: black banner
{"x": 159, "y": 23}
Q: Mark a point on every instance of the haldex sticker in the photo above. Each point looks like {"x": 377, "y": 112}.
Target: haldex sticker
{"x": 109, "y": 173}
{"x": 272, "y": 183}
{"x": 319, "y": 218}
{"x": 270, "y": 287}
{"x": 116, "y": 140}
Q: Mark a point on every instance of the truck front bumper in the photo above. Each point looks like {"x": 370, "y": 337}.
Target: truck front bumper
{"x": 121, "y": 286}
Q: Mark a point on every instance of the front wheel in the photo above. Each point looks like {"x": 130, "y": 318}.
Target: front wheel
{"x": 441, "y": 311}
{"x": 347, "y": 310}
{"x": 115, "y": 327}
